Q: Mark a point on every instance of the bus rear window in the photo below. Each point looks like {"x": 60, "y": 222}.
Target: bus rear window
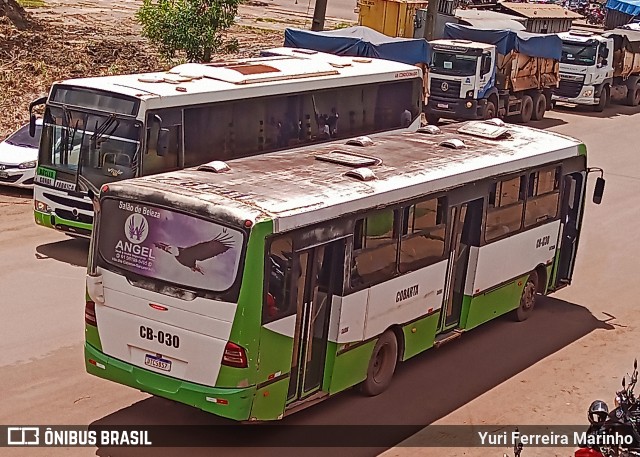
{"x": 169, "y": 246}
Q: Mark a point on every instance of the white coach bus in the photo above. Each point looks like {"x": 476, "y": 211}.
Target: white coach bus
{"x": 105, "y": 129}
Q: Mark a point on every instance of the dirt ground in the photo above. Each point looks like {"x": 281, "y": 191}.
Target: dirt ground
{"x": 71, "y": 38}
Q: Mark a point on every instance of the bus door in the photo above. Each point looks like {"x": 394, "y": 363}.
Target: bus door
{"x": 571, "y": 213}
{"x": 466, "y": 223}
{"x": 313, "y": 290}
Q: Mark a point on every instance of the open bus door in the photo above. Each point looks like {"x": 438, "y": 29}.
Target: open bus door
{"x": 571, "y": 214}
{"x": 311, "y": 276}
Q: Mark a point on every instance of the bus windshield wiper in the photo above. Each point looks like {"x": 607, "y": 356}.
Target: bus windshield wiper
{"x": 110, "y": 124}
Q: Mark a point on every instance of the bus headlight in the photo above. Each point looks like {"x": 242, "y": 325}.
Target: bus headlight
{"x": 42, "y": 207}
{"x": 30, "y": 164}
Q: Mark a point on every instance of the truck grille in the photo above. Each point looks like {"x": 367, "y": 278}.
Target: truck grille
{"x": 436, "y": 88}
{"x": 569, "y": 88}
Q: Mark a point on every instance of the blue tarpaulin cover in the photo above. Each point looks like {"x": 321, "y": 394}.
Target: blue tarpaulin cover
{"x": 360, "y": 41}
{"x": 630, "y": 7}
{"x": 505, "y": 41}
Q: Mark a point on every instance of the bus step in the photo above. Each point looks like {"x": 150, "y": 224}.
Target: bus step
{"x": 447, "y": 337}
{"x": 306, "y": 402}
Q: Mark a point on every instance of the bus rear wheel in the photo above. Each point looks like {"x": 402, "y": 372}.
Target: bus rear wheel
{"x": 528, "y": 298}
{"x": 382, "y": 365}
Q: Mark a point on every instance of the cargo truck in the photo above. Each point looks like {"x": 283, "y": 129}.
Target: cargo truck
{"x": 596, "y": 68}
{"x": 481, "y": 74}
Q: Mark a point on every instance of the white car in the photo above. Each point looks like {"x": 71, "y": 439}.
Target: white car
{"x": 19, "y": 157}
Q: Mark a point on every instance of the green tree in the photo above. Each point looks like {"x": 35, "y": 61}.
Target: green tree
{"x": 193, "y": 26}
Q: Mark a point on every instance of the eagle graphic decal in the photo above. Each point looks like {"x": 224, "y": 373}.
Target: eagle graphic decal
{"x": 189, "y": 256}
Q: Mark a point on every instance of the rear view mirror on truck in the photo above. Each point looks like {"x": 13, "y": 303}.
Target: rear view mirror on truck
{"x": 598, "y": 191}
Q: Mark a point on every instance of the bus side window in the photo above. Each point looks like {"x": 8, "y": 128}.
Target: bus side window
{"x": 506, "y": 204}
{"x": 375, "y": 248}
{"x": 423, "y": 234}
{"x": 151, "y": 161}
{"x": 277, "y": 300}
{"x": 543, "y": 194}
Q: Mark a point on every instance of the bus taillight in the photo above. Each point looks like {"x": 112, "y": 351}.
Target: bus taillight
{"x": 234, "y": 356}
{"x": 90, "y": 313}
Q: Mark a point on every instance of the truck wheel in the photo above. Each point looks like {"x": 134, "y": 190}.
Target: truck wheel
{"x": 526, "y": 109}
{"x": 528, "y": 298}
{"x": 490, "y": 111}
{"x": 382, "y": 365}
{"x": 539, "y": 107}
{"x": 633, "y": 96}
{"x": 432, "y": 119}
{"x": 604, "y": 100}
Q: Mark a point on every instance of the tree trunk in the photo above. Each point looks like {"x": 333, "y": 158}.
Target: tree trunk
{"x": 16, "y": 14}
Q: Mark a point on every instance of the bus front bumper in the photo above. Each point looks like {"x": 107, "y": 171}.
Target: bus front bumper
{"x": 231, "y": 403}
{"x": 54, "y": 221}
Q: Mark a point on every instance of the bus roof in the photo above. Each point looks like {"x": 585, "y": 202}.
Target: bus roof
{"x": 296, "y": 189}
{"x": 279, "y": 70}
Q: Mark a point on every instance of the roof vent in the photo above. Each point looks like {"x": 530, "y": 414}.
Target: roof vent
{"x": 489, "y": 130}
{"x": 581, "y": 33}
{"x": 361, "y": 60}
{"x": 453, "y": 143}
{"x": 363, "y": 174}
{"x": 304, "y": 51}
{"x": 217, "y": 166}
{"x": 360, "y": 141}
{"x": 431, "y": 129}
{"x": 151, "y": 78}
{"x": 350, "y": 159}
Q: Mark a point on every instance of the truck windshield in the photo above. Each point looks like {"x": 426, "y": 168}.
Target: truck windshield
{"x": 579, "y": 54}
{"x": 103, "y": 147}
{"x": 454, "y": 64}
{"x": 169, "y": 246}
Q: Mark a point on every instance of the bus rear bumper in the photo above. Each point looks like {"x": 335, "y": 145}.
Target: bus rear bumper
{"x": 231, "y": 403}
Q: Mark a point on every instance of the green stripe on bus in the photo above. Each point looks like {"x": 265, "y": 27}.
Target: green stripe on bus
{"x": 484, "y": 307}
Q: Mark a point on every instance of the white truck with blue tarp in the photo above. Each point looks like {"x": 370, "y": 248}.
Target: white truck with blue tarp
{"x": 481, "y": 74}
{"x": 596, "y": 68}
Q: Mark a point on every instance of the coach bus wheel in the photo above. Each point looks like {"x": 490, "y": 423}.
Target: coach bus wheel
{"x": 382, "y": 365}
{"x": 528, "y": 298}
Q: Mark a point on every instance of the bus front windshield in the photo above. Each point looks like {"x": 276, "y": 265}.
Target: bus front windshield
{"x": 448, "y": 63}
{"x": 579, "y": 54}
{"x": 103, "y": 147}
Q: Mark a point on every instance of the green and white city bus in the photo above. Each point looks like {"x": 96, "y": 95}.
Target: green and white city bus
{"x": 256, "y": 287}
{"x": 110, "y": 128}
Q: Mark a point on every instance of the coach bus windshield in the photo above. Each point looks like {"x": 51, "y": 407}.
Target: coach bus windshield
{"x": 103, "y": 147}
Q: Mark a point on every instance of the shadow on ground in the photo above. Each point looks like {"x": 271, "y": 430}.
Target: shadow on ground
{"x": 614, "y": 109}
{"x": 73, "y": 251}
{"x": 424, "y": 389}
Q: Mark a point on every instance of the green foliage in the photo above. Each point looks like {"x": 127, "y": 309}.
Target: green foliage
{"x": 193, "y": 26}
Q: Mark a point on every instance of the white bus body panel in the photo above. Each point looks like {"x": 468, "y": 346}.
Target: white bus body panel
{"x": 203, "y": 326}
{"x": 515, "y": 255}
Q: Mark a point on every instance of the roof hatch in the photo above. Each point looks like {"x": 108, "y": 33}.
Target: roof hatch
{"x": 348, "y": 158}
{"x": 485, "y": 129}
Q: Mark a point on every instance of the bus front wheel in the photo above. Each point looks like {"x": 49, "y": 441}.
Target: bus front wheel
{"x": 528, "y": 298}
{"x": 382, "y": 365}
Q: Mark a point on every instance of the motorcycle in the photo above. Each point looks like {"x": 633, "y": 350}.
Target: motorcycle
{"x": 617, "y": 433}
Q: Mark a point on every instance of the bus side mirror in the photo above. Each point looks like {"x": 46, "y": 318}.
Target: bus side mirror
{"x": 163, "y": 142}
{"x": 598, "y": 191}
{"x": 32, "y": 125}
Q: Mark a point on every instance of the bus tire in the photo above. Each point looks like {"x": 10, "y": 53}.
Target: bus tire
{"x": 539, "y": 106}
{"x": 526, "y": 109}
{"x": 382, "y": 365}
{"x": 528, "y": 298}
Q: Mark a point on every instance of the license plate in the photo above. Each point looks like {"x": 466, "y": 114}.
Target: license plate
{"x": 157, "y": 362}
{"x": 4, "y": 174}
{"x": 443, "y": 105}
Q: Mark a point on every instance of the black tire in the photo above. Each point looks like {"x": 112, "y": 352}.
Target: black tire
{"x": 526, "y": 109}
{"x": 382, "y": 365}
{"x": 528, "y": 298}
{"x": 490, "y": 111}
{"x": 539, "y": 107}
{"x": 633, "y": 96}
{"x": 432, "y": 119}
{"x": 604, "y": 100}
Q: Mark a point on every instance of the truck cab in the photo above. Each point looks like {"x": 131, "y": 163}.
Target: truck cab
{"x": 586, "y": 68}
{"x": 461, "y": 75}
